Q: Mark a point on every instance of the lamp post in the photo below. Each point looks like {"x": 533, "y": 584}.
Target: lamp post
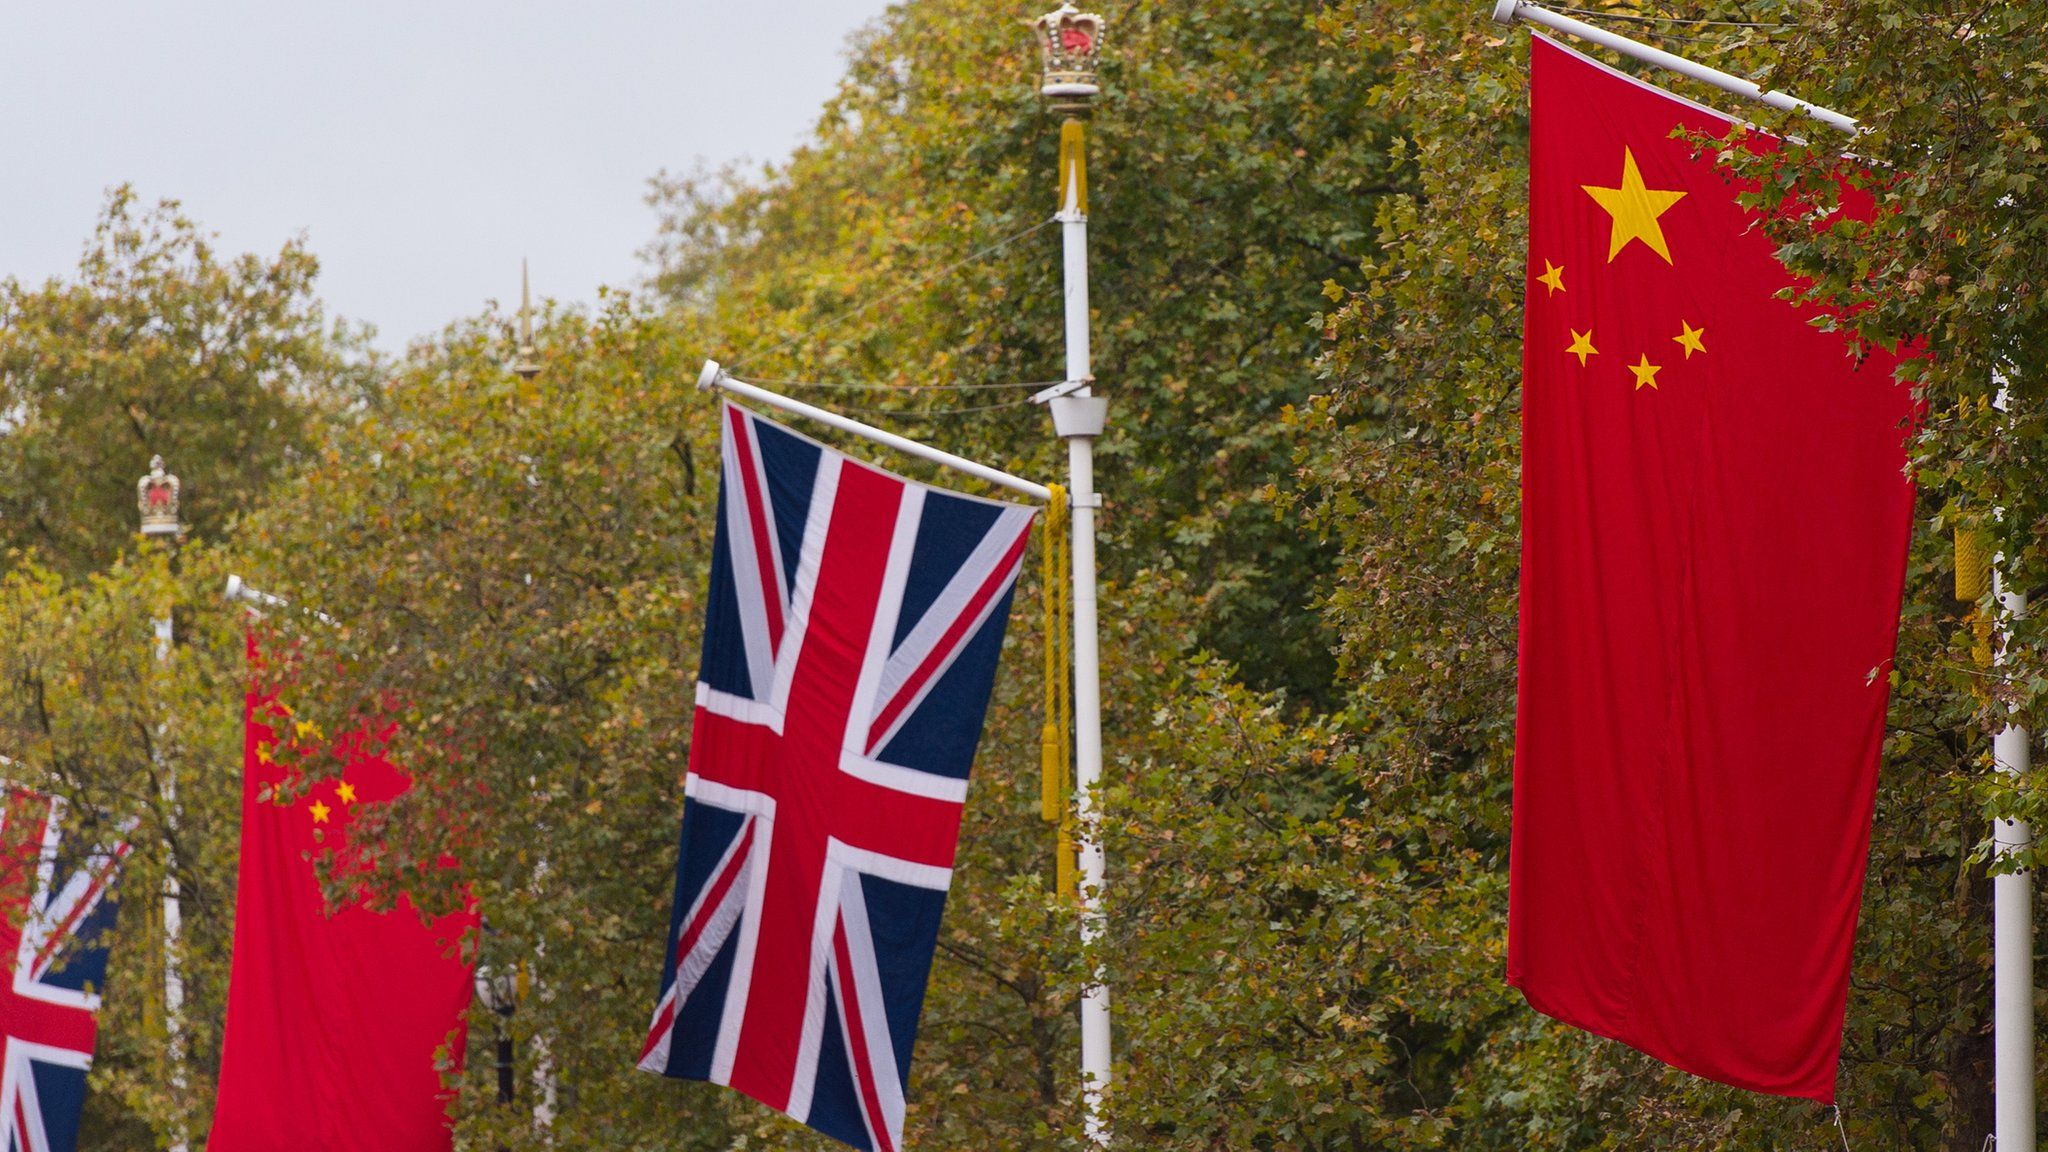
{"x": 499, "y": 992}
{"x": 1071, "y": 41}
{"x": 156, "y": 502}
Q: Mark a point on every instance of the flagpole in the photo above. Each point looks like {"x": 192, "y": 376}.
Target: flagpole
{"x": 1071, "y": 40}
{"x": 2012, "y": 909}
{"x": 2012, "y": 997}
{"x": 1509, "y": 11}
{"x": 157, "y": 501}
{"x": 717, "y": 378}
{"x": 2012, "y": 947}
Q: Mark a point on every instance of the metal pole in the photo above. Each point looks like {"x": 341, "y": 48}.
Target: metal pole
{"x": 1071, "y": 41}
{"x": 716, "y": 377}
{"x": 174, "y": 918}
{"x": 1509, "y": 11}
{"x": 156, "y": 498}
{"x": 2012, "y": 934}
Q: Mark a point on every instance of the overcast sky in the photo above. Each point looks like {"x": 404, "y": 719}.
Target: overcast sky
{"x": 423, "y": 146}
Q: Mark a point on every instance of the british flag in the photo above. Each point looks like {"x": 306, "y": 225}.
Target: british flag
{"x": 63, "y": 893}
{"x": 850, "y": 646}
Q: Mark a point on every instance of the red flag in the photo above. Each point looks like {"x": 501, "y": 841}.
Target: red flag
{"x": 333, "y": 1022}
{"x": 1714, "y": 540}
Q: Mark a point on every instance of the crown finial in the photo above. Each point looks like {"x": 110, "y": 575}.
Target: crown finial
{"x": 523, "y": 361}
{"x": 1071, "y": 41}
{"x": 156, "y": 497}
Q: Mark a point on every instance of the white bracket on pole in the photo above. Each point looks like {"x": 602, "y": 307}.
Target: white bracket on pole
{"x": 1063, "y": 388}
{"x": 1074, "y": 411}
{"x": 1078, "y": 415}
{"x": 717, "y": 378}
{"x": 1509, "y": 11}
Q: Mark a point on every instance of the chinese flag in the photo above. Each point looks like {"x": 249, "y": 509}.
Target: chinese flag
{"x": 1714, "y": 540}
{"x": 334, "y": 1022}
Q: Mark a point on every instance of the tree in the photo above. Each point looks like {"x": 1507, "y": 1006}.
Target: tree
{"x": 160, "y": 346}
{"x": 88, "y": 713}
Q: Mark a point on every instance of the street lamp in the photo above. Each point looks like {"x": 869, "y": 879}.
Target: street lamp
{"x": 499, "y": 992}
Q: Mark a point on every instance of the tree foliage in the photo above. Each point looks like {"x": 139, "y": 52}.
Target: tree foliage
{"x": 159, "y": 346}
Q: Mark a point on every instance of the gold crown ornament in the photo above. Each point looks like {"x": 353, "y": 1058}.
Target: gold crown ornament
{"x": 1072, "y": 42}
{"x": 156, "y": 497}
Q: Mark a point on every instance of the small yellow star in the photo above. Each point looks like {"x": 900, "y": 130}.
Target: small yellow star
{"x": 1552, "y": 278}
{"x": 346, "y": 792}
{"x": 1688, "y": 338}
{"x": 1635, "y": 208}
{"x": 307, "y": 726}
{"x": 320, "y": 812}
{"x": 1582, "y": 345}
{"x": 263, "y": 754}
{"x": 1646, "y": 373}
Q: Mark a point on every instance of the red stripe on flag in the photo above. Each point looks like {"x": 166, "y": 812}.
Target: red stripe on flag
{"x": 937, "y": 656}
{"x": 662, "y": 1021}
{"x": 757, "y": 515}
{"x": 86, "y": 903}
{"x": 857, "y": 1040}
{"x": 719, "y": 887}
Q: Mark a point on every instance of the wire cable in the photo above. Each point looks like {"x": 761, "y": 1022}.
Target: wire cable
{"x": 1641, "y": 19}
{"x": 932, "y": 414}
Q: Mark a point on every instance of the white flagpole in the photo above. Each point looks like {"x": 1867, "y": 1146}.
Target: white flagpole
{"x": 2012, "y": 912}
{"x": 718, "y": 378}
{"x": 156, "y": 497}
{"x": 1509, "y": 11}
{"x": 2012, "y": 940}
{"x": 2012, "y": 999}
{"x": 1071, "y": 40}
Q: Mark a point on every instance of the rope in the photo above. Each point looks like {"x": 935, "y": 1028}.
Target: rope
{"x": 978, "y": 254}
{"x": 1055, "y": 750}
{"x": 1840, "y": 1130}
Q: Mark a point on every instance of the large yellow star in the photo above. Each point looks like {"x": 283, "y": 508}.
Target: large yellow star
{"x": 1688, "y": 338}
{"x": 319, "y": 812}
{"x": 1645, "y": 372}
{"x": 1552, "y": 278}
{"x": 1582, "y": 345}
{"x": 1635, "y": 209}
{"x": 345, "y": 792}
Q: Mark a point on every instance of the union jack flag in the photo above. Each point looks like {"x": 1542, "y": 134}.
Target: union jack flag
{"x": 48, "y": 1008}
{"x": 850, "y": 646}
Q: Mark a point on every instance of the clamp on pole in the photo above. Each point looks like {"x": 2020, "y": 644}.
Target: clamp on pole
{"x": 1063, "y": 388}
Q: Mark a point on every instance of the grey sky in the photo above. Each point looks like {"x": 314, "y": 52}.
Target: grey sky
{"x": 423, "y": 146}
